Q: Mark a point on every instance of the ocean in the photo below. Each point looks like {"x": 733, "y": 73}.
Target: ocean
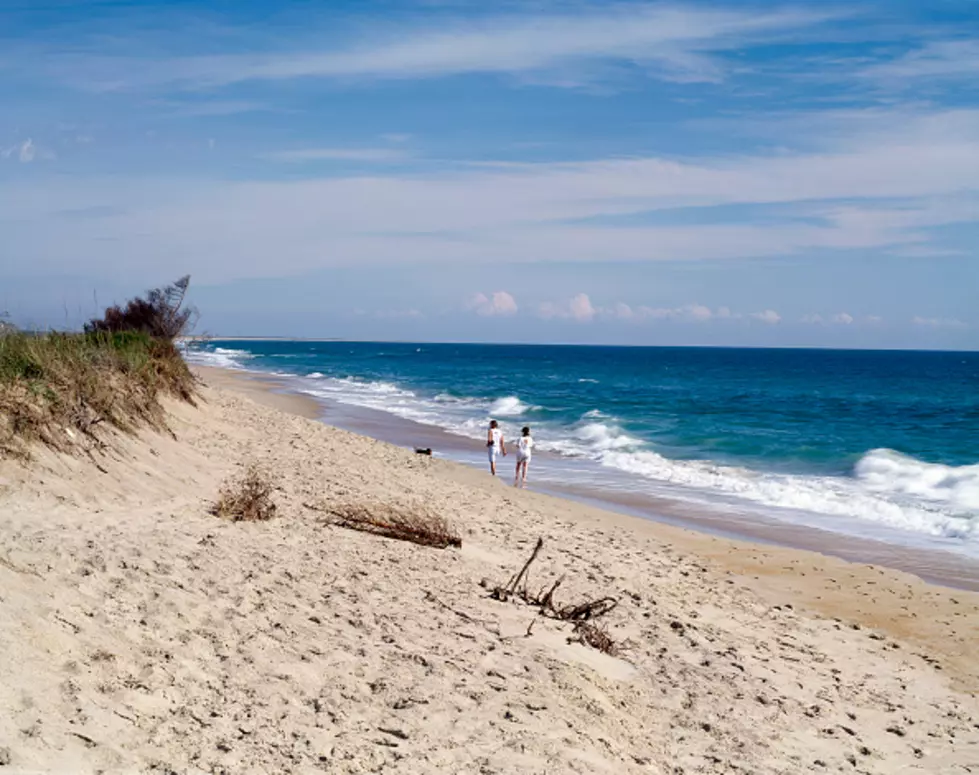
{"x": 881, "y": 445}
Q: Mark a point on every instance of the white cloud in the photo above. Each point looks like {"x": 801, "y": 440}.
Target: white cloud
{"x": 814, "y": 319}
{"x": 374, "y": 155}
{"x": 687, "y": 313}
{"x": 528, "y": 212}
{"x": 24, "y": 152}
{"x": 937, "y": 322}
{"x": 842, "y": 318}
{"x": 500, "y": 303}
{"x": 769, "y": 316}
{"x": 621, "y": 310}
{"x": 874, "y": 319}
{"x": 579, "y": 308}
{"x": 936, "y": 60}
{"x": 690, "y": 312}
{"x": 670, "y": 42}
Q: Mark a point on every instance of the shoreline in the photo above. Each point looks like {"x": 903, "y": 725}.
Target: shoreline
{"x": 143, "y": 633}
{"x": 874, "y": 596}
{"x": 934, "y": 566}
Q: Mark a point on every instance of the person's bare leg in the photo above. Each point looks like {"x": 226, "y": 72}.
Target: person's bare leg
{"x": 523, "y": 481}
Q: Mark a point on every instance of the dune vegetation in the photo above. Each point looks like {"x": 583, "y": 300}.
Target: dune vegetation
{"x": 61, "y": 389}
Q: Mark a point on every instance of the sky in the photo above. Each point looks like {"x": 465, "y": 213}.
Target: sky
{"x": 683, "y": 173}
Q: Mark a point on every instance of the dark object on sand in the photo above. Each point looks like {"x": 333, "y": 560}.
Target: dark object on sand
{"x": 405, "y": 523}
{"x": 426, "y": 451}
{"x": 582, "y": 614}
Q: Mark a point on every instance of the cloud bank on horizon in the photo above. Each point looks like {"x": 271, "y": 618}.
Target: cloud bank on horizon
{"x": 704, "y": 172}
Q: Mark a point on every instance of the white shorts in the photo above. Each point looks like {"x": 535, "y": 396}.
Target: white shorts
{"x": 491, "y": 453}
{"x": 523, "y": 458}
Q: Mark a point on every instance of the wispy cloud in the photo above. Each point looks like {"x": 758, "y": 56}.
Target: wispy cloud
{"x": 896, "y": 191}
{"x": 369, "y": 155}
{"x": 926, "y": 322}
{"x": 769, "y": 316}
{"x": 943, "y": 60}
{"x": 499, "y": 304}
{"x": 212, "y": 107}
{"x": 25, "y": 152}
{"x": 579, "y": 308}
{"x": 672, "y": 42}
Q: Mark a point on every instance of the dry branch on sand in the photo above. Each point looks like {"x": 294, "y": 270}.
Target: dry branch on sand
{"x": 580, "y": 613}
{"x": 247, "y": 498}
{"x": 596, "y": 636}
{"x": 411, "y": 523}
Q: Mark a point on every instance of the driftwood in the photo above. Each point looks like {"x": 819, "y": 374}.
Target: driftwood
{"x": 580, "y": 613}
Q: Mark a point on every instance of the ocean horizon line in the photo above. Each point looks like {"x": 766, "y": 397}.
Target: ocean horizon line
{"x": 594, "y": 345}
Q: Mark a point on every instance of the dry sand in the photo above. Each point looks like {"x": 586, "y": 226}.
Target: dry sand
{"x": 140, "y": 634}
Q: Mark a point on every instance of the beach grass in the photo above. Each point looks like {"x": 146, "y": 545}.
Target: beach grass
{"x": 58, "y": 388}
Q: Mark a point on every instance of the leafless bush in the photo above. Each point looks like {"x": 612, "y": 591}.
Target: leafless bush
{"x": 597, "y": 637}
{"x": 413, "y": 523}
{"x": 580, "y": 613}
{"x": 247, "y": 498}
{"x": 161, "y": 314}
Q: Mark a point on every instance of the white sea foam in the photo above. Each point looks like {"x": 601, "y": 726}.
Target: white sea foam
{"x": 221, "y": 357}
{"x": 508, "y": 406}
{"x": 892, "y": 506}
{"x": 891, "y": 473}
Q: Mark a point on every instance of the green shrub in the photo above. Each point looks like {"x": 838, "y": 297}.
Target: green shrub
{"x": 57, "y": 388}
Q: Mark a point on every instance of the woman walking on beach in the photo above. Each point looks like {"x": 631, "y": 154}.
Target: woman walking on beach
{"x": 525, "y": 449}
{"x": 494, "y": 444}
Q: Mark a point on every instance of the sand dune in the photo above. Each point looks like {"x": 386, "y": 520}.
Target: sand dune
{"x": 141, "y": 634}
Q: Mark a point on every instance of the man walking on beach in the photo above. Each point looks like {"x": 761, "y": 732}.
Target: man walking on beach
{"x": 494, "y": 444}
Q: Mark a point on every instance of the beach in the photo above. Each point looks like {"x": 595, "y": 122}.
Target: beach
{"x": 142, "y": 634}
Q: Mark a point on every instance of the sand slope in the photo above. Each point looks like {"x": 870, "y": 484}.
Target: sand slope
{"x": 140, "y": 634}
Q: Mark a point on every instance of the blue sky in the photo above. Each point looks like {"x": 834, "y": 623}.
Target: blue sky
{"x": 642, "y": 173}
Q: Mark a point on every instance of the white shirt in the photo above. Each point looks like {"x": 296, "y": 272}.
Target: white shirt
{"x": 525, "y": 446}
{"x": 497, "y": 435}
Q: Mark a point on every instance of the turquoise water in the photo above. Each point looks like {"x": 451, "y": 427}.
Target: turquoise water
{"x": 884, "y": 444}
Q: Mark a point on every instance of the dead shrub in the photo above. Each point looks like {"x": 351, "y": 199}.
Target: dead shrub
{"x": 581, "y": 613}
{"x": 247, "y": 498}
{"x": 597, "y": 637}
{"x": 404, "y": 523}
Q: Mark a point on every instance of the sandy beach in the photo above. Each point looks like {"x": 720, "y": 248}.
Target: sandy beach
{"x": 142, "y": 634}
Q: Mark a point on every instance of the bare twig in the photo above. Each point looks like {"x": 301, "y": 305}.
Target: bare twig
{"x": 504, "y": 593}
{"x": 580, "y": 613}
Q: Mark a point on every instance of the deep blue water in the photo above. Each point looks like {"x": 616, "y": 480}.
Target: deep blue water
{"x": 877, "y": 438}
